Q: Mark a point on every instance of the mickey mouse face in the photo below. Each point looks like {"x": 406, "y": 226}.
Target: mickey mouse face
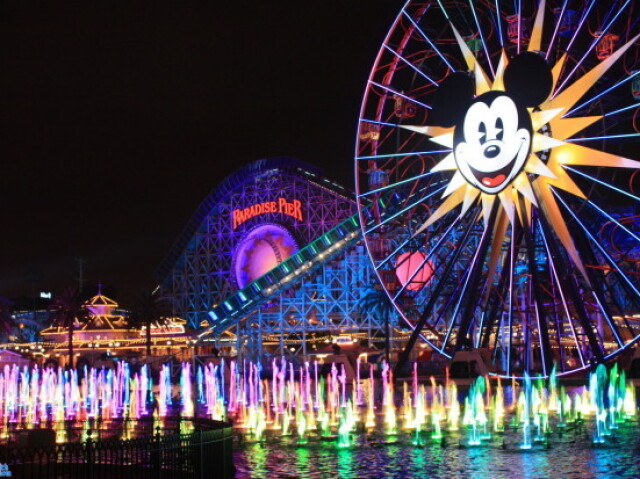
{"x": 492, "y": 142}
{"x": 493, "y": 132}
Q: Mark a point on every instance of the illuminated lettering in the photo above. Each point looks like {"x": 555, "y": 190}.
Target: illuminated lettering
{"x": 282, "y": 206}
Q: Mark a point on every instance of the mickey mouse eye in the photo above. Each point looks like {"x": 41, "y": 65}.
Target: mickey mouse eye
{"x": 482, "y": 133}
{"x": 499, "y": 129}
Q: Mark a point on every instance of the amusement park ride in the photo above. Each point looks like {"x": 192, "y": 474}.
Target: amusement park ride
{"x": 494, "y": 195}
{"x": 502, "y": 133}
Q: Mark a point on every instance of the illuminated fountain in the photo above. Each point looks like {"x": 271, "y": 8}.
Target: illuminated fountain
{"x": 300, "y": 403}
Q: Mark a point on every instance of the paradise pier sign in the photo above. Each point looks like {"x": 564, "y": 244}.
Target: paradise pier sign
{"x": 282, "y": 206}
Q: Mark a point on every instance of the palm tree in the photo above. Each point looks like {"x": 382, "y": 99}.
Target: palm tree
{"x": 67, "y": 311}
{"x": 149, "y": 307}
{"x": 377, "y": 303}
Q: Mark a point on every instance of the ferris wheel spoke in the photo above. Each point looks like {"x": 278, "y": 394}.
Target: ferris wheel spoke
{"x": 443, "y": 237}
{"x": 604, "y": 253}
{"x": 401, "y": 95}
{"x": 558, "y": 284}
{"x": 484, "y": 43}
{"x": 539, "y": 309}
{"x": 620, "y": 110}
{"x": 603, "y": 183}
{"x": 600, "y": 95}
{"x": 436, "y": 293}
{"x": 381, "y": 123}
{"x": 472, "y": 284}
{"x": 605, "y": 30}
{"x": 556, "y": 29}
{"x": 402, "y": 155}
{"x": 411, "y": 179}
{"x": 579, "y": 27}
{"x": 404, "y": 210}
{"x": 499, "y": 23}
{"x": 428, "y": 40}
{"x": 574, "y": 295}
{"x": 411, "y": 65}
{"x": 604, "y": 137}
{"x": 612, "y": 219}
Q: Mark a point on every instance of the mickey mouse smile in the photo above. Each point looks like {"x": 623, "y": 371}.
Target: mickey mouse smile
{"x": 494, "y": 179}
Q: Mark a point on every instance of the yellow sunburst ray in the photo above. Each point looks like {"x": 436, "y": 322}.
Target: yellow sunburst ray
{"x": 572, "y": 94}
{"x": 506, "y": 199}
{"x": 457, "y": 181}
{"x": 536, "y": 166}
{"x": 482, "y": 82}
{"x": 523, "y": 208}
{"x": 572, "y": 154}
{"x": 557, "y": 70}
{"x": 449, "y": 204}
{"x": 428, "y": 130}
{"x": 487, "y": 205}
{"x": 468, "y": 55}
{"x": 498, "y": 82}
{"x": 563, "y": 128}
{"x": 541, "y": 118}
{"x": 469, "y": 198}
{"x": 561, "y": 179}
{"x": 542, "y": 142}
{"x": 499, "y": 233}
{"x": 445, "y": 140}
{"x": 448, "y": 163}
{"x": 522, "y": 184}
{"x": 552, "y": 212}
{"x": 536, "y": 31}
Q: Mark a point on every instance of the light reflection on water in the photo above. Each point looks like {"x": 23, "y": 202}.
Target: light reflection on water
{"x": 569, "y": 457}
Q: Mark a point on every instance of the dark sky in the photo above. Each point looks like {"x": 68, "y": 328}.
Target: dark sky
{"x": 117, "y": 121}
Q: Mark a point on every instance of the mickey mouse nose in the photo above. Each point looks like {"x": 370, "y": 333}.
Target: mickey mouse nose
{"x": 492, "y": 151}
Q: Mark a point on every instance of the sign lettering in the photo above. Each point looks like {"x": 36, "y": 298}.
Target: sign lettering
{"x": 282, "y": 206}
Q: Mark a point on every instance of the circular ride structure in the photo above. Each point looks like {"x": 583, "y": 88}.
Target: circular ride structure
{"x": 496, "y": 139}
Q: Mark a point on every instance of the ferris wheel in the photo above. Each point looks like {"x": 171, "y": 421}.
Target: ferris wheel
{"x": 495, "y": 173}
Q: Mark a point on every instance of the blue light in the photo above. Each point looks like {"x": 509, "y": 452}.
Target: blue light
{"x": 603, "y": 183}
{"x": 484, "y": 44}
{"x": 416, "y": 69}
{"x": 402, "y": 95}
{"x": 396, "y": 155}
{"x": 606, "y": 137}
{"x": 630, "y": 77}
{"x": 593, "y": 44}
{"x": 435, "y": 49}
{"x": 555, "y": 31}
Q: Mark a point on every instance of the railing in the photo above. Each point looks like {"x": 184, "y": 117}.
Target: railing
{"x": 203, "y": 453}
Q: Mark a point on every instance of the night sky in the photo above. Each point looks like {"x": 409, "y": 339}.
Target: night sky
{"x": 118, "y": 120}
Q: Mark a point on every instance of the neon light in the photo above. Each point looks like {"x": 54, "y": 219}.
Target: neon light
{"x": 396, "y": 155}
{"x": 598, "y": 245}
{"x": 282, "y": 206}
{"x": 595, "y": 42}
{"x": 602, "y": 183}
{"x": 416, "y": 69}
{"x": 395, "y": 125}
{"x": 484, "y": 44}
{"x": 635, "y": 105}
{"x": 555, "y": 31}
{"x": 402, "y": 95}
{"x": 498, "y": 18}
{"x": 435, "y": 49}
{"x": 630, "y": 77}
{"x": 607, "y": 137}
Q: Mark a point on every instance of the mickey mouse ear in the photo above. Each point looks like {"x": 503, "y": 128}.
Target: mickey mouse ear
{"x": 528, "y": 79}
{"x": 451, "y": 100}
